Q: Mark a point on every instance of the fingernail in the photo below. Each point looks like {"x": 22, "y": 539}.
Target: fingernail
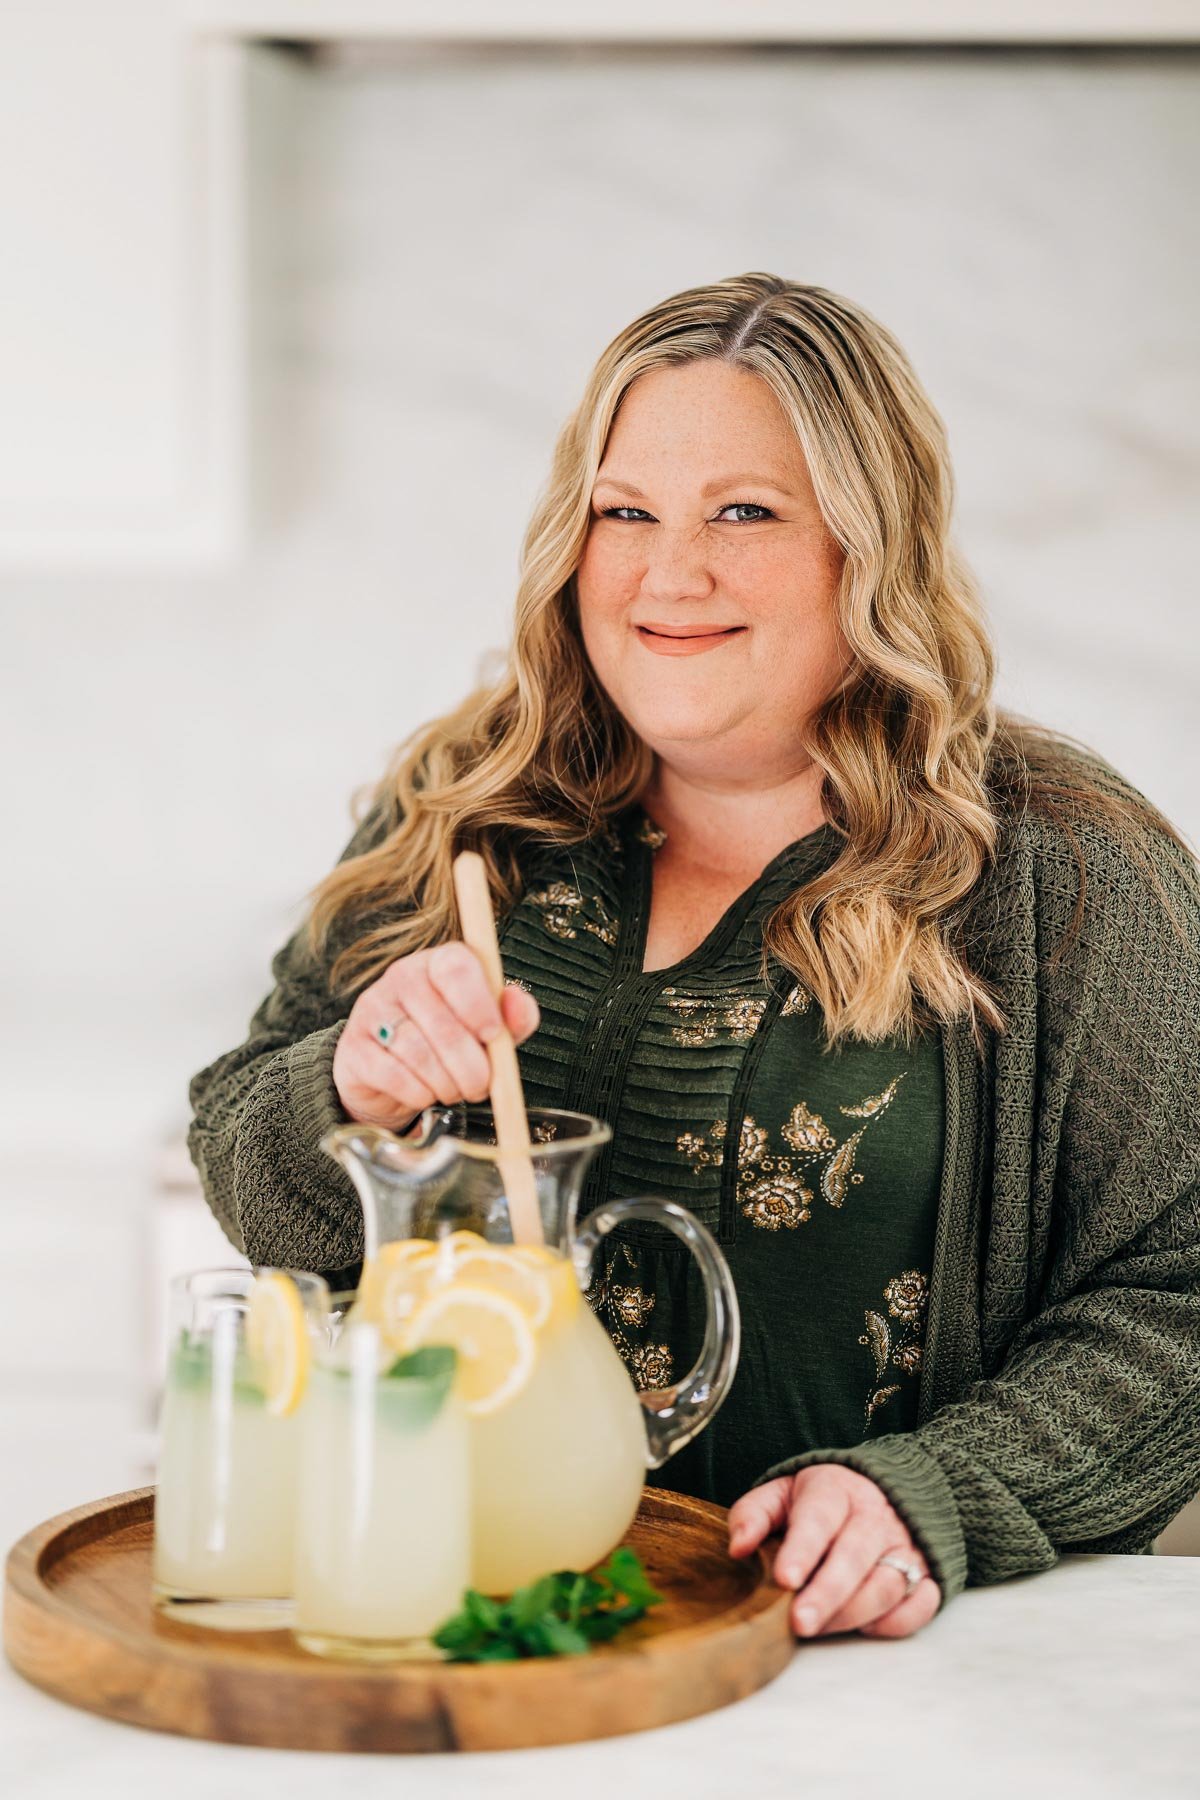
{"x": 806, "y": 1621}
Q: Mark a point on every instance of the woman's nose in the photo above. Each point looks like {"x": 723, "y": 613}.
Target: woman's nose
{"x": 677, "y": 563}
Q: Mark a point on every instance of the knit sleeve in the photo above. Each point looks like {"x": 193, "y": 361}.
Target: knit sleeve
{"x": 260, "y": 1111}
{"x": 1087, "y": 1435}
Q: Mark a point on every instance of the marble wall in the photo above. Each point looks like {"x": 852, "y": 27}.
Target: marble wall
{"x": 442, "y": 241}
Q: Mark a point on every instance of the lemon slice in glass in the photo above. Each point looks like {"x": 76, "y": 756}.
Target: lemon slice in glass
{"x": 277, "y": 1341}
{"x": 493, "y": 1337}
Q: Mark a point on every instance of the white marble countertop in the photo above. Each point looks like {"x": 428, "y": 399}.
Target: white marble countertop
{"x": 1082, "y": 1681}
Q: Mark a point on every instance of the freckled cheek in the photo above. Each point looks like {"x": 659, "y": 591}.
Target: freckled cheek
{"x": 602, "y": 627}
{"x": 607, "y": 588}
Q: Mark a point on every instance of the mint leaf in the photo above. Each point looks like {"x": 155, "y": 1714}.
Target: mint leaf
{"x": 433, "y": 1362}
{"x": 414, "y": 1388}
{"x": 483, "y": 1611}
{"x": 561, "y": 1614}
{"x": 529, "y": 1603}
{"x": 561, "y": 1639}
{"x": 624, "y": 1569}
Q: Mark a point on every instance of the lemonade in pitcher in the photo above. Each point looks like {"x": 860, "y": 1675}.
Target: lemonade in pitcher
{"x": 559, "y": 1437}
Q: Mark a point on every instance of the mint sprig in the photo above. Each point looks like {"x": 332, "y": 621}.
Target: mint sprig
{"x": 558, "y": 1615}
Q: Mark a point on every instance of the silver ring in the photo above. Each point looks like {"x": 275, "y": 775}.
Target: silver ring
{"x": 386, "y": 1033}
{"x": 912, "y": 1572}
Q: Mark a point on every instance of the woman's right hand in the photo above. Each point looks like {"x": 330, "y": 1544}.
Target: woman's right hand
{"x": 446, "y": 1015}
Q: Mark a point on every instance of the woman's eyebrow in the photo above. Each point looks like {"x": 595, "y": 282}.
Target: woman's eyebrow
{"x": 711, "y": 487}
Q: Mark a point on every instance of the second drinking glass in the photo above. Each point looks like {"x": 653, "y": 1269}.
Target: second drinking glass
{"x": 383, "y": 1533}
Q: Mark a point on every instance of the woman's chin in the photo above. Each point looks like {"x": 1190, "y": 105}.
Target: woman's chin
{"x": 666, "y": 725}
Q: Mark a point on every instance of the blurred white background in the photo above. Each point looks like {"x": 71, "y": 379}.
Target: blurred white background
{"x": 427, "y": 246}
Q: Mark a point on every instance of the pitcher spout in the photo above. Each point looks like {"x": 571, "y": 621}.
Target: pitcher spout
{"x": 398, "y": 1182}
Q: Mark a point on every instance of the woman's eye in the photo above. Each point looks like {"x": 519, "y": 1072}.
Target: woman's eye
{"x": 752, "y": 506}
{"x": 612, "y": 512}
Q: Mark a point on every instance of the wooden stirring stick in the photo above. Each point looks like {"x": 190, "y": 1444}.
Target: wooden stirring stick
{"x": 478, "y": 925}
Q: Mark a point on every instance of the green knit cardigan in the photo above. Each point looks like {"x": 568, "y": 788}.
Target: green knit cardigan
{"x": 1062, "y": 1408}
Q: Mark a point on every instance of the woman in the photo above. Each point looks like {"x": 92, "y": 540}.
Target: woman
{"x": 898, "y": 994}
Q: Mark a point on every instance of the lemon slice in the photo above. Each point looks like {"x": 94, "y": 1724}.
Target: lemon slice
{"x": 565, "y": 1297}
{"x": 492, "y": 1335}
{"x": 405, "y": 1250}
{"x": 491, "y": 1267}
{"x": 540, "y": 1255}
{"x": 559, "y": 1276}
{"x": 462, "y": 1240}
{"x": 393, "y": 1285}
{"x": 277, "y": 1340}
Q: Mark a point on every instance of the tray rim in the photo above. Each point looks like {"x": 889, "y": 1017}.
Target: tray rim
{"x": 26, "y": 1571}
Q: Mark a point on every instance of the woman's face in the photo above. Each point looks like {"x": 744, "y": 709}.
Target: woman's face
{"x": 708, "y": 577}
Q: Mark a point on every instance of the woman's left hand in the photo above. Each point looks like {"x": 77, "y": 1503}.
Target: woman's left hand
{"x": 836, "y": 1525}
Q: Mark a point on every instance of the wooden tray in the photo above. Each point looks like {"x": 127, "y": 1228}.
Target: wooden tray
{"x": 79, "y": 1622}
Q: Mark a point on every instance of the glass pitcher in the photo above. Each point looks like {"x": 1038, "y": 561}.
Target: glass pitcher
{"x": 560, "y": 1439}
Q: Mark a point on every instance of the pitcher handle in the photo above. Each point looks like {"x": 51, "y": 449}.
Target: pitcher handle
{"x": 675, "y": 1414}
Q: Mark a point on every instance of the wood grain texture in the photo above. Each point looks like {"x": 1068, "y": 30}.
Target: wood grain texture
{"x": 477, "y": 922}
{"x": 79, "y": 1622}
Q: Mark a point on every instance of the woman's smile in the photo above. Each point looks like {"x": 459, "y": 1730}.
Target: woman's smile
{"x": 684, "y": 640}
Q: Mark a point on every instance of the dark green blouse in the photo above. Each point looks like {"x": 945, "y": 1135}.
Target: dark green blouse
{"x": 817, "y": 1171}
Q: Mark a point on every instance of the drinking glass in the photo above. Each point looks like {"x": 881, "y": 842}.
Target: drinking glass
{"x": 225, "y": 1502}
{"x": 383, "y": 1532}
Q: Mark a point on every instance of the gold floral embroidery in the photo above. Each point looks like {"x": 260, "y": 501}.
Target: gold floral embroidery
{"x": 775, "y": 1201}
{"x": 771, "y": 1191}
{"x": 562, "y": 910}
{"x": 752, "y": 1143}
{"x": 707, "y": 1152}
{"x": 807, "y": 1132}
{"x": 768, "y": 1190}
{"x": 798, "y": 1001}
{"x": 650, "y": 1365}
{"x": 907, "y": 1297}
{"x": 870, "y": 1109}
{"x": 630, "y": 1306}
{"x": 877, "y": 1338}
{"x": 622, "y": 1309}
{"x": 701, "y": 1154}
{"x": 839, "y": 1171}
{"x": 703, "y": 1017}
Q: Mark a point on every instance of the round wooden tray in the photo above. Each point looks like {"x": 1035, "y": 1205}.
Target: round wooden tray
{"x": 79, "y": 1622}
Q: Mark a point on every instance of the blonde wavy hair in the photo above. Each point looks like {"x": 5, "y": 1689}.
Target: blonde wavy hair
{"x": 904, "y": 742}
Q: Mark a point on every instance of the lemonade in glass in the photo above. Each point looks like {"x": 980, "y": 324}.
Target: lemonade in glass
{"x": 383, "y": 1532}
{"x": 240, "y": 1344}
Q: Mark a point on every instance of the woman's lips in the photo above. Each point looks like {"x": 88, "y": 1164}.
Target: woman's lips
{"x": 685, "y": 646}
